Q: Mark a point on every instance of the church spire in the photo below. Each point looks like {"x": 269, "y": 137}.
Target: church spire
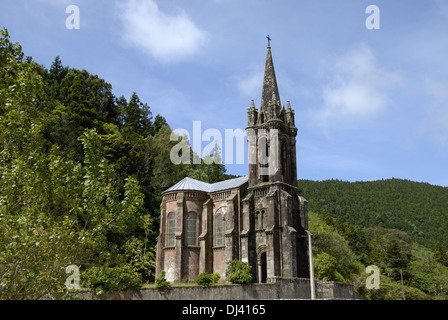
{"x": 270, "y": 88}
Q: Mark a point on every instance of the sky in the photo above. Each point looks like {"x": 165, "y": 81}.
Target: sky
{"x": 369, "y": 88}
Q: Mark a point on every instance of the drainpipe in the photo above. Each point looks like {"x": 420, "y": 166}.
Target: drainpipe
{"x": 310, "y": 256}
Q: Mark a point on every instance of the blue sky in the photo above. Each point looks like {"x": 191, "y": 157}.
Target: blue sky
{"x": 369, "y": 104}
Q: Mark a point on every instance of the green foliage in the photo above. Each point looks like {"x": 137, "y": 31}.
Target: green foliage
{"x": 325, "y": 267}
{"x": 216, "y": 277}
{"x": 327, "y": 241}
{"x": 390, "y": 249}
{"x": 389, "y": 223}
{"x": 441, "y": 254}
{"x": 207, "y": 279}
{"x": 239, "y": 272}
{"x": 111, "y": 278}
{"x": 204, "y": 279}
{"x": 391, "y": 290}
{"x": 161, "y": 282}
{"x": 428, "y": 274}
{"x": 140, "y": 257}
{"x": 81, "y": 177}
{"x": 419, "y": 209}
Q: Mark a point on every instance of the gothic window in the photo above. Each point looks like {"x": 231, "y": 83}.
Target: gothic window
{"x": 171, "y": 229}
{"x": 191, "y": 229}
{"x": 263, "y": 146}
{"x": 219, "y": 230}
{"x": 220, "y": 227}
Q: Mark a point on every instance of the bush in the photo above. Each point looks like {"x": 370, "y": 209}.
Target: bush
{"x": 204, "y": 279}
{"x": 325, "y": 268}
{"x": 239, "y": 272}
{"x": 111, "y": 278}
{"x": 216, "y": 277}
{"x": 207, "y": 279}
{"x": 161, "y": 282}
{"x": 141, "y": 260}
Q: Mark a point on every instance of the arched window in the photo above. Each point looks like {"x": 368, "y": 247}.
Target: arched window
{"x": 263, "y": 156}
{"x": 171, "y": 230}
{"x": 219, "y": 232}
{"x": 191, "y": 229}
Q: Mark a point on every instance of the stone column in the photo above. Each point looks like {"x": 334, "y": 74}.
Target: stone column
{"x": 273, "y": 263}
{"x": 231, "y": 234}
{"x": 178, "y": 236}
{"x": 247, "y": 208}
{"x": 161, "y": 241}
{"x": 205, "y": 239}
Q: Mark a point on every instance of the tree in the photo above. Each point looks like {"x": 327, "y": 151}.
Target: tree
{"x": 57, "y": 70}
{"x": 440, "y": 254}
{"x": 54, "y": 211}
{"x": 137, "y": 117}
{"x": 325, "y": 267}
{"x": 213, "y": 167}
{"x": 428, "y": 274}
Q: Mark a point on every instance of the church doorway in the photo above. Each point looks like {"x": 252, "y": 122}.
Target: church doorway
{"x": 262, "y": 270}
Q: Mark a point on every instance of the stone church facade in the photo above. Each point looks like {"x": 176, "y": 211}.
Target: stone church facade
{"x": 260, "y": 219}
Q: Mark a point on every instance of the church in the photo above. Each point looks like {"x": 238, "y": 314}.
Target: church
{"x": 260, "y": 219}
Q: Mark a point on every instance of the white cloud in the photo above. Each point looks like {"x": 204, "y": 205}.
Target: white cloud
{"x": 165, "y": 37}
{"x": 251, "y": 83}
{"x": 358, "y": 88}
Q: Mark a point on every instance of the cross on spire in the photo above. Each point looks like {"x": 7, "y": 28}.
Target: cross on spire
{"x": 269, "y": 40}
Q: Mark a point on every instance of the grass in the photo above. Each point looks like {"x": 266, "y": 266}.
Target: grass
{"x": 184, "y": 284}
{"x": 176, "y": 284}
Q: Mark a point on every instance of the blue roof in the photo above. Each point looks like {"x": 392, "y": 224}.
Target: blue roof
{"x": 193, "y": 184}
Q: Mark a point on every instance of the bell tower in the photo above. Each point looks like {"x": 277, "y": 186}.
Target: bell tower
{"x": 271, "y": 135}
{"x": 274, "y": 213}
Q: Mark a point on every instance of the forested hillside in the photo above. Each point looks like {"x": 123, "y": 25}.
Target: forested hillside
{"x": 81, "y": 177}
{"x": 398, "y": 225}
{"x": 419, "y": 209}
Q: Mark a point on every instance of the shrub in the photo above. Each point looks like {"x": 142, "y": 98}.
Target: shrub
{"x": 207, "y": 279}
{"x": 239, "y": 272}
{"x": 161, "y": 282}
{"x": 204, "y": 279}
{"x": 325, "y": 267}
{"x": 216, "y": 277}
{"x": 111, "y": 278}
{"x": 141, "y": 260}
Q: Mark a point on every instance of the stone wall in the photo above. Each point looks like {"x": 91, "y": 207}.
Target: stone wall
{"x": 294, "y": 288}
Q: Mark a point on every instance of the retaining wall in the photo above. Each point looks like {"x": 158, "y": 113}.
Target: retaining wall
{"x": 280, "y": 288}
